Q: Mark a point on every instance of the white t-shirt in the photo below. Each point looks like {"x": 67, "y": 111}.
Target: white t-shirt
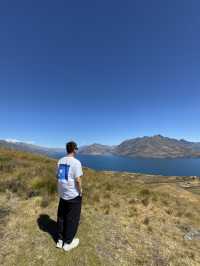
{"x": 69, "y": 168}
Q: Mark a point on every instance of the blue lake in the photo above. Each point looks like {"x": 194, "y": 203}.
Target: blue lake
{"x": 178, "y": 167}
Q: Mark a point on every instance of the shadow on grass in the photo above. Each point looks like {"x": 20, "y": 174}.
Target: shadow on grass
{"x": 48, "y": 225}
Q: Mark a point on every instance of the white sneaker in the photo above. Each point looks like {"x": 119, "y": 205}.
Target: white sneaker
{"x": 59, "y": 244}
{"x": 73, "y": 244}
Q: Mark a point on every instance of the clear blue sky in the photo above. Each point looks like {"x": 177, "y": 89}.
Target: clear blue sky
{"x": 99, "y": 71}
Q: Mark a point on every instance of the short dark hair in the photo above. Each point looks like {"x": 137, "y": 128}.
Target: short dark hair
{"x": 71, "y": 146}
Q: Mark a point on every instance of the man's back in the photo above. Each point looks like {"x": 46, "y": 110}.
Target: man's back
{"x": 69, "y": 168}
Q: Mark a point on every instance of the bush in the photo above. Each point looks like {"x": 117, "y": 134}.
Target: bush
{"x": 116, "y": 204}
{"x": 131, "y": 201}
{"x": 32, "y": 193}
{"x": 14, "y": 185}
{"x": 45, "y": 201}
{"x": 145, "y": 192}
{"x": 146, "y": 221}
{"x": 5, "y": 159}
{"x": 132, "y": 212}
{"x": 145, "y": 202}
{"x": 154, "y": 197}
{"x": 170, "y": 211}
{"x": 3, "y": 213}
{"x": 107, "y": 195}
{"x": 106, "y": 208}
{"x": 108, "y": 187}
{"x": 95, "y": 197}
{"x": 7, "y": 167}
{"x": 42, "y": 184}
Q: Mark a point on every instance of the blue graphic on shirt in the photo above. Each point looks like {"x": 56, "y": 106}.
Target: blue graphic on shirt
{"x": 63, "y": 171}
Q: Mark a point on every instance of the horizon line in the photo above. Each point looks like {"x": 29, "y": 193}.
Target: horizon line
{"x": 15, "y": 141}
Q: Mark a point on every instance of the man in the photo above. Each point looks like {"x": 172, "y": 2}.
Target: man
{"x": 69, "y": 174}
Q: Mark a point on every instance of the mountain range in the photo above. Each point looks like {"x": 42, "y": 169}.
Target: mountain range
{"x": 156, "y": 146}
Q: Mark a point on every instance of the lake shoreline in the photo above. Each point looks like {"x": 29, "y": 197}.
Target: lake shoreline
{"x": 162, "y": 167}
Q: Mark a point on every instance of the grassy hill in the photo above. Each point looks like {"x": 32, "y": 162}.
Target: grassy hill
{"x": 126, "y": 218}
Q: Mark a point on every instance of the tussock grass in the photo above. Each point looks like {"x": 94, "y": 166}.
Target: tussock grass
{"x": 126, "y": 218}
{"x": 26, "y": 174}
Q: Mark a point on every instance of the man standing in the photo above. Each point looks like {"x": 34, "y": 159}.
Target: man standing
{"x": 69, "y": 174}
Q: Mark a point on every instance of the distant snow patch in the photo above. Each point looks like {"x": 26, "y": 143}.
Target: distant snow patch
{"x": 17, "y": 141}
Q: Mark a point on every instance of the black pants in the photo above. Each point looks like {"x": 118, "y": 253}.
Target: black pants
{"x": 68, "y": 217}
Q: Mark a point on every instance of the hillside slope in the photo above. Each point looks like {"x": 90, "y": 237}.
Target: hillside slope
{"x": 126, "y": 219}
{"x": 22, "y": 146}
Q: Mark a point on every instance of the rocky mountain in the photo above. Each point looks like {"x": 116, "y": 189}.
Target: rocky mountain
{"x": 156, "y": 146}
{"x": 97, "y": 149}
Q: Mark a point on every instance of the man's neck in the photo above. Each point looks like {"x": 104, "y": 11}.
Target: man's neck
{"x": 70, "y": 155}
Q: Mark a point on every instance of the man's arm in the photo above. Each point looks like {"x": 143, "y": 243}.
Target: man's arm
{"x": 79, "y": 184}
{"x": 78, "y": 174}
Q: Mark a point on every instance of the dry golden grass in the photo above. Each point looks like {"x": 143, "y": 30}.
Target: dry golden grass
{"x": 126, "y": 219}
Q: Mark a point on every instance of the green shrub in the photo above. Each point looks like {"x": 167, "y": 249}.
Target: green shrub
{"x": 5, "y": 159}
{"x": 145, "y": 192}
{"x": 47, "y": 184}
